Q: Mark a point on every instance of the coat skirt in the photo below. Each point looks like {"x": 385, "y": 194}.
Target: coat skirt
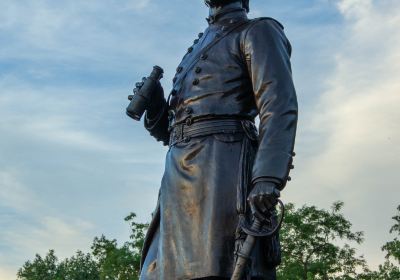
{"x": 193, "y": 231}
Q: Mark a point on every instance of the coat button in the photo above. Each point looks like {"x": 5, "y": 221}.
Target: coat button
{"x": 197, "y": 70}
{"x": 179, "y": 69}
{"x": 291, "y": 166}
{"x": 189, "y": 121}
{"x": 190, "y": 49}
{"x": 289, "y": 178}
{"x": 293, "y": 154}
{"x": 196, "y": 82}
{"x": 201, "y": 34}
{"x": 196, "y": 41}
{"x": 204, "y": 56}
{"x": 188, "y": 110}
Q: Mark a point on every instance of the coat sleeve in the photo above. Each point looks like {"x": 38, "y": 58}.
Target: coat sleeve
{"x": 267, "y": 53}
{"x": 158, "y": 125}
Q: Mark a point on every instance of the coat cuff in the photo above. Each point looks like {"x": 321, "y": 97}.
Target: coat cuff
{"x": 271, "y": 164}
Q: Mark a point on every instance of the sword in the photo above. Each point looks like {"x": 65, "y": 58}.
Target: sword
{"x": 268, "y": 226}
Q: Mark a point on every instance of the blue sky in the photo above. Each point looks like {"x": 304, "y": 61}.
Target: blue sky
{"x": 72, "y": 165}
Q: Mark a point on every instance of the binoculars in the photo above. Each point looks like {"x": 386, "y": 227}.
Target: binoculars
{"x": 142, "y": 97}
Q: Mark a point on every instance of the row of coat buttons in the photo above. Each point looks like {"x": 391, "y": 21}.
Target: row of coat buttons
{"x": 195, "y": 81}
{"x": 197, "y": 69}
{"x": 180, "y": 68}
{"x": 195, "y": 42}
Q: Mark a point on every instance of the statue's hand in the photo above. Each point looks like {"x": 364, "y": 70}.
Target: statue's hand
{"x": 263, "y": 197}
{"x": 157, "y": 98}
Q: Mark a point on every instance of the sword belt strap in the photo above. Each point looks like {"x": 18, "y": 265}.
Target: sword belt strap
{"x": 183, "y": 132}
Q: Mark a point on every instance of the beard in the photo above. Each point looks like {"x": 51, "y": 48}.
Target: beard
{"x": 219, "y": 3}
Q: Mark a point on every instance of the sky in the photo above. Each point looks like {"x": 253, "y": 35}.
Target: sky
{"x": 73, "y": 165}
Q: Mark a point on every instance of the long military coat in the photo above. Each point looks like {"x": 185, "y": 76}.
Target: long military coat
{"x": 238, "y": 68}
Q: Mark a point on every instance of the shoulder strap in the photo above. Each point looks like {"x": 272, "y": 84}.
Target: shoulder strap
{"x": 207, "y": 48}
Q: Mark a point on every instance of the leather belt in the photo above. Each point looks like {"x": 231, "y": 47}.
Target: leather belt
{"x": 183, "y": 132}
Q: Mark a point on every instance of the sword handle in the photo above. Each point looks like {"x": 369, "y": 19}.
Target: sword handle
{"x": 244, "y": 253}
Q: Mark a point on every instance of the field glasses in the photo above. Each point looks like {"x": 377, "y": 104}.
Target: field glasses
{"x": 142, "y": 97}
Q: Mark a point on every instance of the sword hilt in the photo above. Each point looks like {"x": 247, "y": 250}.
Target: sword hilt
{"x": 254, "y": 231}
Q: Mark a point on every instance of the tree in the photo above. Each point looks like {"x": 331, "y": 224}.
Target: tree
{"x": 310, "y": 247}
{"x": 120, "y": 263}
{"x": 107, "y": 261}
{"x": 389, "y": 270}
{"x": 392, "y": 248}
{"x": 114, "y": 262}
{"x": 40, "y": 268}
{"x": 136, "y": 237}
{"x": 79, "y": 267}
{"x": 309, "y": 238}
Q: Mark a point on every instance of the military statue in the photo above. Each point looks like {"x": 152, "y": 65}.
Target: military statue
{"x": 219, "y": 167}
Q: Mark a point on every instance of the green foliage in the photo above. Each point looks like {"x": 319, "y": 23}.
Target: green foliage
{"x": 79, "y": 267}
{"x": 107, "y": 261}
{"x": 388, "y": 270}
{"x": 40, "y": 268}
{"x": 310, "y": 245}
{"x": 114, "y": 262}
{"x": 137, "y": 235}
{"x": 310, "y": 242}
{"x": 392, "y": 248}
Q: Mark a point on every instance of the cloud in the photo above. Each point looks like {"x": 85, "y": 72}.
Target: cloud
{"x": 78, "y": 32}
{"x": 66, "y": 68}
{"x": 27, "y": 229}
{"x": 13, "y": 194}
{"x": 351, "y": 146}
{"x": 51, "y": 115}
{"x": 61, "y": 131}
{"x": 7, "y": 273}
{"x": 24, "y": 240}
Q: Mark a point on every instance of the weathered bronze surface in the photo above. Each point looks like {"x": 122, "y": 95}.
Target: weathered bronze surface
{"x": 235, "y": 70}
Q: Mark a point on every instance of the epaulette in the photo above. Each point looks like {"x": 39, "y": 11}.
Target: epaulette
{"x": 269, "y": 18}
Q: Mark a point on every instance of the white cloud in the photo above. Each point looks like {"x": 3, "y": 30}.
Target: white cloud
{"x": 13, "y": 194}
{"x": 64, "y": 236}
{"x": 72, "y": 31}
{"x": 347, "y": 152}
{"x": 27, "y": 230}
{"x": 49, "y": 114}
{"x": 356, "y": 128}
{"x": 24, "y": 240}
{"x": 60, "y": 131}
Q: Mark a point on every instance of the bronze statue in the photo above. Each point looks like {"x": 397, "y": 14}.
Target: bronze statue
{"x": 219, "y": 169}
